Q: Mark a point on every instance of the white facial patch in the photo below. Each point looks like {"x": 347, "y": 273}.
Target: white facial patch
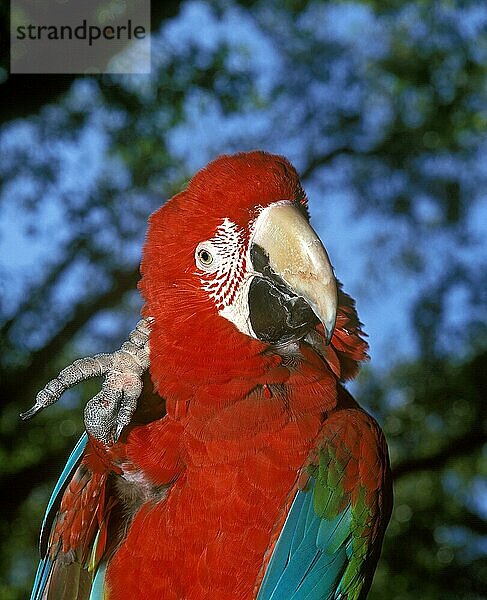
{"x": 223, "y": 263}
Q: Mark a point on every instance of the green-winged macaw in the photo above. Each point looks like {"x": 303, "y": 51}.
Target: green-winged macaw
{"x": 247, "y": 470}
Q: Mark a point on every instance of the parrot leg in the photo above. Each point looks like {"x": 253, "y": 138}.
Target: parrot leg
{"x": 107, "y": 413}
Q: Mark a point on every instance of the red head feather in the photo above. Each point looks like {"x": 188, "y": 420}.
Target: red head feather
{"x": 190, "y": 341}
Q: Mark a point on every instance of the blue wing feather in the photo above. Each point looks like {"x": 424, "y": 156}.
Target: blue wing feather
{"x": 45, "y": 565}
{"x": 310, "y": 556}
{"x": 41, "y": 578}
{"x": 302, "y": 524}
{"x": 305, "y": 555}
{"x": 333, "y": 533}
{"x": 325, "y": 569}
{"x": 65, "y": 477}
{"x": 98, "y": 589}
{"x": 280, "y": 556}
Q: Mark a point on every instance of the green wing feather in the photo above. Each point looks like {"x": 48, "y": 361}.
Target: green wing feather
{"x": 331, "y": 540}
{"x": 352, "y": 474}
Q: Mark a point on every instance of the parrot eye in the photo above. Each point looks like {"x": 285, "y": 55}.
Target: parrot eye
{"x": 204, "y": 257}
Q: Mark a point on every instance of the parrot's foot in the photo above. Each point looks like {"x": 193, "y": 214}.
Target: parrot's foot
{"x": 112, "y": 408}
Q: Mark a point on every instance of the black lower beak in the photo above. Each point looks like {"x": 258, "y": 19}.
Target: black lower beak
{"x": 277, "y": 314}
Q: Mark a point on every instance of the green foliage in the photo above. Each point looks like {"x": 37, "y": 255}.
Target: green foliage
{"x": 435, "y": 433}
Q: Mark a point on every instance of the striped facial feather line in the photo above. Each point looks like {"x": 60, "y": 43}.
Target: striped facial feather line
{"x": 227, "y": 282}
{"x": 229, "y": 241}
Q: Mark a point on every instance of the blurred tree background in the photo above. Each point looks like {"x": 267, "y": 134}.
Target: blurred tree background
{"x": 382, "y": 107}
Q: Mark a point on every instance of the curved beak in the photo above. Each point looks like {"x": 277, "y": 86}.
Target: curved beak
{"x": 297, "y": 277}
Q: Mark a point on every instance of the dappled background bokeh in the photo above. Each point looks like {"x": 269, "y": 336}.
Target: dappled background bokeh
{"x": 382, "y": 107}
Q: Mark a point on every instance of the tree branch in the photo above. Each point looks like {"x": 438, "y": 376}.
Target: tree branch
{"x": 474, "y": 522}
{"x": 41, "y": 290}
{"x": 324, "y": 159}
{"x": 462, "y": 446}
{"x": 24, "y": 380}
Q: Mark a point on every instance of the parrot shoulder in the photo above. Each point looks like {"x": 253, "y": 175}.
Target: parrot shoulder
{"x": 334, "y": 528}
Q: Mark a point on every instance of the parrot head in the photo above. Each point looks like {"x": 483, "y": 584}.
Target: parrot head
{"x": 232, "y": 266}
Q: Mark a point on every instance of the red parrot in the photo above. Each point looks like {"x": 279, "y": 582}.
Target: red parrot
{"x": 247, "y": 470}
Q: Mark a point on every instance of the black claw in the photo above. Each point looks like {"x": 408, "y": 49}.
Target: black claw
{"x": 28, "y": 414}
{"x": 118, "y": 431}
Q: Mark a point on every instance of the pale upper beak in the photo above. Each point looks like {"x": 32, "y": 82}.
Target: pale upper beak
{"x": 296, "y": 270}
